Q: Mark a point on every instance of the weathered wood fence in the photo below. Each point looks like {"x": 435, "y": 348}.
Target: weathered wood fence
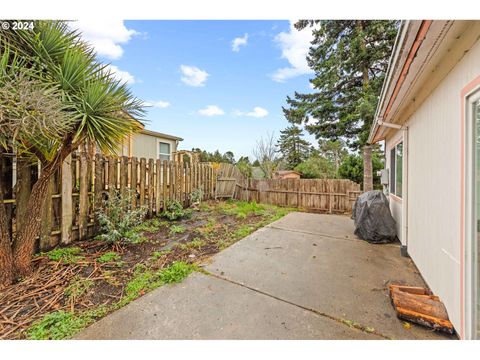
{"x": 321, "y": 195}
{"x": 78, "y": 190}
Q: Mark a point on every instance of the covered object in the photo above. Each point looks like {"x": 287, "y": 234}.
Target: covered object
{"x": 373, "y": 220}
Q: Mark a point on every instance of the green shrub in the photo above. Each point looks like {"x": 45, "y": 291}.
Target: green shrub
{"x": 174, "y": 210}
{"x": 117, "y": 219}
{"x": 196, "y": 196}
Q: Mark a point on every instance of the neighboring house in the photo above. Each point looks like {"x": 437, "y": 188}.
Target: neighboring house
{"x": 151, "y": 145}
{"x": 429, "y": 118}
{"x": 286, "y": 174}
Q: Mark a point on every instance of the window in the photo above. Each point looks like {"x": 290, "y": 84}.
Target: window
{"x": 396, "y": 167}
{"x": 163, "y": 151}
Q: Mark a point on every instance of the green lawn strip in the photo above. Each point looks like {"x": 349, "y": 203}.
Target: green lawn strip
{"x": 63, "y": 324}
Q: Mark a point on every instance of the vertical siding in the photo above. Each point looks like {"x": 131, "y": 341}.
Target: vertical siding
{"x": 145, "y": 146}
{"x": 434, "y": 183}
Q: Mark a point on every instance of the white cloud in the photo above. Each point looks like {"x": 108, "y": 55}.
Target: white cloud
{"x": 294, "y": 45}
{"x": 239, "y": 41}
{"x": 124, "y": 76}
{"x": 193, "y": 76}
{"x": 160, "y": 104}
{"x": 106, "y": 36}
{"x": 258, "y": 112}
{"x": 211, "y": 110}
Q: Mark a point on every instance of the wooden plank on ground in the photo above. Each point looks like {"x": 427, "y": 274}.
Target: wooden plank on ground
{"x": 420, "y": 307}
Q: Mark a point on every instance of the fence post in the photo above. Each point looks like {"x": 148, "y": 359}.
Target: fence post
{"x": 67, "y": 204}
{"x": 143, "y": 174}
{"x": 158, "y": 185}
{"x": 151, "y": 174}
{"x": 83, "y": 196}
{"x": 133, "y": 181}
{"x": 98, "y": 188}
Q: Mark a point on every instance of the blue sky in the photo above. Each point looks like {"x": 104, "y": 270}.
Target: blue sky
{"x": 217, "y": 84}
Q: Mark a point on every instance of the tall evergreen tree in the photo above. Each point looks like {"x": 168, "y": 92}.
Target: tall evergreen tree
{"x": 293, "y": 147}
{"x": 349, "y": 58}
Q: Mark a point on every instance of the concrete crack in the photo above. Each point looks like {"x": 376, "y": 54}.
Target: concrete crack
{"x": 348, "y": 323}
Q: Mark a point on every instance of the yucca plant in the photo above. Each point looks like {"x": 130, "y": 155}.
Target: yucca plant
{"x": 87, "y": 105}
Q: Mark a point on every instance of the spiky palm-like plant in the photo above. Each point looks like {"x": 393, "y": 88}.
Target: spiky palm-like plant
{"x": 85, "y": 104}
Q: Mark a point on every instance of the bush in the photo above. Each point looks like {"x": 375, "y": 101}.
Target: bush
{"x": 117, "y": 219}
{"x": 174, "y": 210}
{"x": 316, "y": 167}
{"x": 196, "y": 196}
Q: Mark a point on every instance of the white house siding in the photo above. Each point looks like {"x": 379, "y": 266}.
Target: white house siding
{"x": 434, "y": 183}
{"x": 396, "y": 204}
{"x": 146, "y": 146}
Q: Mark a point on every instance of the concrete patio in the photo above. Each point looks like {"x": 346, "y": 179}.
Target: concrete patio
{"x": 305, "y": 276}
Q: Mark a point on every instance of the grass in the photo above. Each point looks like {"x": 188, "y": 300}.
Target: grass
{"x": 62, "y": 324}
{"x": 110, "y": 256}
{"x": 242, "y": 209}
{"x": 69, "y": 255}
{"x": 158, "y": 254}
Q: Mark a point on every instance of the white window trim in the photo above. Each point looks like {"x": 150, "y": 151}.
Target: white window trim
{"x": 394, "y": 147}
{"x": 158, "y": 148}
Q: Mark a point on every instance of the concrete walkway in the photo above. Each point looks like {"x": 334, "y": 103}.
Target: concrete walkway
{"x": 306, "y": 276}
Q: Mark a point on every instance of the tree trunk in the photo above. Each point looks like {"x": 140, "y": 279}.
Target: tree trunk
{"x": 25, "y": 242}
{"x": 6, "y": 257}
{"x": 367, "y": 168}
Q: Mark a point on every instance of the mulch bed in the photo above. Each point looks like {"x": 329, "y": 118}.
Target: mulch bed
{"x": 46, "y": 290}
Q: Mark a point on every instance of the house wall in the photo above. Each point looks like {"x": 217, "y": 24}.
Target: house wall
{"x": 434, "y": 180}
{"x": 146, "y": 146}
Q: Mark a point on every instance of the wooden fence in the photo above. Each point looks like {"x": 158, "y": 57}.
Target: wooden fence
{"x": 78, "y": 190}
{"x": 320, "y": 195}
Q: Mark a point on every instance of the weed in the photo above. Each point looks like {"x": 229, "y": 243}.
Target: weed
{"x": 65, "y": 255}
{"x": 243, "y": 231}
{"x": 151, "y": 225}
{"x": 174, "y": 210}
{"x": 57, "y": 325}
{"x": 176, "y": 272}
{"x": 158, "y": 254}
{"x": 243, "y": 209}
{"x": 77, "y": 288}
{"x": 196, "y": 196}
{"x": 196, "y": 243}
{"x": 110, "y": 256}
{"x": 117, "y": 218}
{"x": 177, "y": 229}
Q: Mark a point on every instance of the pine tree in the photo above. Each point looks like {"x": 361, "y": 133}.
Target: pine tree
{"x": 292, "y": 146}
{"x": 349, "y": 58}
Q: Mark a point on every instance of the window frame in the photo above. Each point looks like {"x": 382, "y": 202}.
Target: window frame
{"x": 159, "y": 154}
{"x": 395, "y": 188}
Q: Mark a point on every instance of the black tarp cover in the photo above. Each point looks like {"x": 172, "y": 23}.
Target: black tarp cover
{"x": 373, "y": 220}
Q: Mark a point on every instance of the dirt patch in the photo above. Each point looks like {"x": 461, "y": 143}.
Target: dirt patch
{"x": 99, "y": 274}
